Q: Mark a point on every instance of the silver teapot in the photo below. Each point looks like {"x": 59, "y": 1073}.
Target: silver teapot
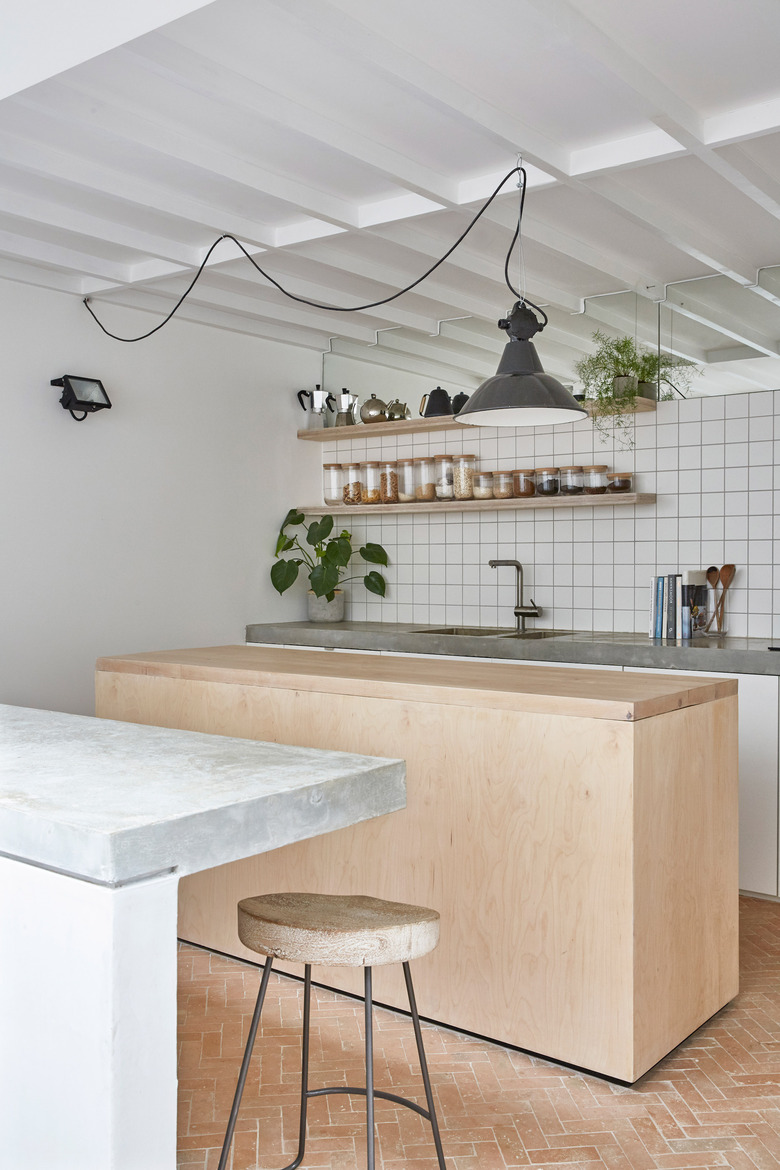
{"x": 373, "y": 410}
{"x": 397, "y": 410}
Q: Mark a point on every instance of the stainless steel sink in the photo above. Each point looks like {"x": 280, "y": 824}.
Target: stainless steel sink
{"x": 486, "y": 632}
{"x": 469, "y": 631}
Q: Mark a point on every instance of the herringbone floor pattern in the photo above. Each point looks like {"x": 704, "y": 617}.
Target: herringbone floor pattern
{"x": 715, "y": 1101}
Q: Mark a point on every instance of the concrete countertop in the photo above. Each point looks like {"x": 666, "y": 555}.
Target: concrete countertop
{"x": 111, "y": 802}
{"x": 719, "y": 654}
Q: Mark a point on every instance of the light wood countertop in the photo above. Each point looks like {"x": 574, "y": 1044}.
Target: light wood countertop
{"x": 594, "y": 694}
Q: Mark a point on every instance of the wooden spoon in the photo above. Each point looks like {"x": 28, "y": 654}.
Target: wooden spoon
{"x": 713, "y": 577}
{"x": 726, "y": 577}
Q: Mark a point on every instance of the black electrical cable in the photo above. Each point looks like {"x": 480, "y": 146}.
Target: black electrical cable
{"x": 518, "y": 170}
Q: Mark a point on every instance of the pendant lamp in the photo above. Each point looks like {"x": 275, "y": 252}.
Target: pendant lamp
{"x": 520, "y": 394}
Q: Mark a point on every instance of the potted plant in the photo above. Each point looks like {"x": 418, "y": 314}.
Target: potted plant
{"x": 617, "y": 373}
{"x": 326, "y": 559}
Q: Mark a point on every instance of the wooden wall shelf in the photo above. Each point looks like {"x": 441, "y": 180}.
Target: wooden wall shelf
{"x": 416, "y": 426}
{"x": 609, "y": 499}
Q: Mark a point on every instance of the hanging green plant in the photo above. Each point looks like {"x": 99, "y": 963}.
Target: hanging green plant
{"x": 613, "y": 375}
{"x": 326, "y": 558}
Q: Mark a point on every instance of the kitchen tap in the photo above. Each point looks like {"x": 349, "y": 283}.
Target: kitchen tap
{"x": 522, "y": 611}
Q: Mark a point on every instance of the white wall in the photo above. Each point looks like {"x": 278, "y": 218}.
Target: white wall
{"x": 150, "y": 525}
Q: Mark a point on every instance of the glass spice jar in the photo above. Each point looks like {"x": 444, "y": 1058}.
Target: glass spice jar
{"x": 388, "y": 482}
{"x": 548, "y": 481}
{"x": 332, "y": 483}
{"x": 619, "y": 481}
{"x": 594, "y": 479}
{"x": 571, "y": 481}
{"x": 444, "y": 477}
{"x": 424, "y": 479}
{"x": 483, "y": 485}
{"x": 405, "y": 471}
{"x": 463, "y": 477}
{"x": 351, "y": 491}
{"x": 369, "y": 492}
{"x": 502, "y": 485}
{"x": 524, "y": 482}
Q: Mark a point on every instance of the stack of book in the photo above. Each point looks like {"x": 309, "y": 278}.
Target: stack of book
{"x": 678, "y": 605}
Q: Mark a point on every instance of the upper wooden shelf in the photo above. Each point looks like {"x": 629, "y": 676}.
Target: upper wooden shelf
{"x": 416, "y": 426}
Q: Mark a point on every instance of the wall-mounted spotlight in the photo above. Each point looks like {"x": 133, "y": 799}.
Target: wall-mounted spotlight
{"x": 84, "y": 394}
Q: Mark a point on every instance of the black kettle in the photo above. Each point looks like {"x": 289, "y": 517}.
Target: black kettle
{"x": 435, "y": 403}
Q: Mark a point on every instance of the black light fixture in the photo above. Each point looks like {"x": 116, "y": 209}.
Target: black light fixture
{"x": 520, "y": 394}
{"x": 84, "y": 394}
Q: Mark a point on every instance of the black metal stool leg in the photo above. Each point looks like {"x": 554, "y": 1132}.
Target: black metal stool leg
{"x": 304, "y": 1068}
{"x": 245, "y": 1066}
{"x": 424, "y": 1066}
{"x": 369, "y": 1070}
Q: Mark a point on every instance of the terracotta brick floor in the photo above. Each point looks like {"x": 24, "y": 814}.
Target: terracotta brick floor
{"x": 715, "y": 1101}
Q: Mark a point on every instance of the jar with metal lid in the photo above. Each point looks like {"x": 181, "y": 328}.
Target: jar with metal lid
{"x": 405, "y": 471}
{"x": 463, "y": 477}
{"x": 619, "y": 481}
{"x": 369, "y": 474}
{"x": 424, "y": 479}
{"x": 332, "y": 483}
{"x": 502, "y": 485}
{"x": 351, "y": 490}
{"x": 571, "y": 481}
{"x": 388, "y": 482}
{"x": 483, "y": 485}
{"x": 594, "y": 479}
{"x": 443, "y": 470}
{"x": 548, "y": 481}
{"x": 524, "y": 482}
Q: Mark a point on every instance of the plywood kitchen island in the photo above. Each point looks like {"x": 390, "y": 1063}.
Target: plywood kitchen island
{"x": 577, "y": 829}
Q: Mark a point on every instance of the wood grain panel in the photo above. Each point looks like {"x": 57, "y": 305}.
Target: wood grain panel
{"x": 523, "y": 829}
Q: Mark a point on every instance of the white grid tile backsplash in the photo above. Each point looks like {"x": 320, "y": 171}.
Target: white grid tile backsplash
{"x": 711, "y": 462}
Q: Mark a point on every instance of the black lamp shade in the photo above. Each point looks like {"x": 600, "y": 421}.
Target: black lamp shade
{"x": 520, "y": 394}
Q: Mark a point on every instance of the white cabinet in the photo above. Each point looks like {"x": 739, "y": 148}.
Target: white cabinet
{"x": 758, "y": 779}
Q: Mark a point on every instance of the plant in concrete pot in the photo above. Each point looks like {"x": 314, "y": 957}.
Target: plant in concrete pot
{"x": 610, "y": 376}
{"x": 326, "y": 559}
{"x": 666, "y": 370}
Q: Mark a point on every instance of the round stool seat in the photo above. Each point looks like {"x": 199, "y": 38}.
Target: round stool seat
{"x": 339, "y": 930}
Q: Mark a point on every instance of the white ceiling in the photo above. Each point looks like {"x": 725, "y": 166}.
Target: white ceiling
{"x": 347, "y": 143}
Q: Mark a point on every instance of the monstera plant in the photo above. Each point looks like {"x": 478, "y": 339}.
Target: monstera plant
{"x": 326, "y": 558}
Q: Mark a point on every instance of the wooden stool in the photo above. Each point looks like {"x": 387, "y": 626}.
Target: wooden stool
{"x": 337, "y": 931}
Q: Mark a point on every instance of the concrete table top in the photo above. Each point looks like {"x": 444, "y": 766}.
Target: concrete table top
{"x": 113, "y": 802}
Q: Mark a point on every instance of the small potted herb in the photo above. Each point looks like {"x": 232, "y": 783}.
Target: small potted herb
{"x": 326, "y": 558}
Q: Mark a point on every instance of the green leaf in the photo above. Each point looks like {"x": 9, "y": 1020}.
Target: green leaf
{"x": 292, "y": 517}
{"x": 339, "y": 551}
{"x": 319, "y": 530}
{"x": 284, "y": 574}
{"x": 284, "y": 543}
{"x": 375, "y": 583}
{"x": 324, "y": 578}
{"x": 374, "y": 553}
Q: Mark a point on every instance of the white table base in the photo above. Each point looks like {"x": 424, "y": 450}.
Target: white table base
{"x": 87, "y": 1022}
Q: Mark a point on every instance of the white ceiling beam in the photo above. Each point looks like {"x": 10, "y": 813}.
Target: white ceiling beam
{"x": 40, "y": 277}
{"x": 728, "y": 324}
{"x": 76, "y": 104}
{"x": 43, "y": 252}
{"x": 151, "y": 302}
{"x": 742, "y": 122}
{"x": 81, "y": 174}
{"x": 217, "y": 80}
{"x": 407, "y": 363}
{"x": 43, "y": 37}
{"x": 729, "y": 353}
{"x": 44, "y": 212}
{"x": 434, "y": 349}
{"x": 350, "y": 39}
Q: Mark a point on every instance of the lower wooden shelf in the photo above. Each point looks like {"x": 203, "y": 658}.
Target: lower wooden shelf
{"x": 608, "y": 500}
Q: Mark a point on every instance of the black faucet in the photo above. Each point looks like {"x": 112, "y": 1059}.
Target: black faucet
{"x": 522, "y": 611}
